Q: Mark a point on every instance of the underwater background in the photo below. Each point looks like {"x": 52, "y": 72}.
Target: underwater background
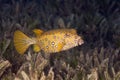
{"x": 97, "y": 21}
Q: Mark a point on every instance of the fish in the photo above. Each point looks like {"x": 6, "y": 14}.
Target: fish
{"x": 51, "y": 41}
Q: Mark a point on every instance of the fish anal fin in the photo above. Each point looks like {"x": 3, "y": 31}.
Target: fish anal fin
{"x": 36, "y": 48}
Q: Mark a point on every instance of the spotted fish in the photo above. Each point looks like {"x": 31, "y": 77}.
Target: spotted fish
{"x": 49, "y": 41}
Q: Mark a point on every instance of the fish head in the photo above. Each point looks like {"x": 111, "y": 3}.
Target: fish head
{"x": 72, "y": 40}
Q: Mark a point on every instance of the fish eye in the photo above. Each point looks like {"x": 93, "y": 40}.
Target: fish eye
{"x": 67, "y": 35}
{"x": 76, "y": 37}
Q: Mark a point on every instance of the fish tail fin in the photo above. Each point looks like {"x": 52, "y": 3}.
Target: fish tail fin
{"x": 22, "y": 42}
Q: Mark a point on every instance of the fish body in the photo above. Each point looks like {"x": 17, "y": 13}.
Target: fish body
{"x": 50, "y": 41}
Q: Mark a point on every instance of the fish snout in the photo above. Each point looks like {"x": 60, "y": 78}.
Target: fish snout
{"x": 80, "y": 41}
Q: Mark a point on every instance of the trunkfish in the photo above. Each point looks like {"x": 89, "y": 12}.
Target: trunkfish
{"x": 51, "y": 41}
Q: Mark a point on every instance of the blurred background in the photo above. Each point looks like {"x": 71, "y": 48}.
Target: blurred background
{"x": 97, "y": 21}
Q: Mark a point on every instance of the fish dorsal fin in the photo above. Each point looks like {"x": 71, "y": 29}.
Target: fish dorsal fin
{"x": 38, "y": 32}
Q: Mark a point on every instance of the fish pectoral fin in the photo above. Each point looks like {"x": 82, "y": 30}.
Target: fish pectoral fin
{"x": 60, "y": 46}
{"x": 36, "y": 48}
{"x": 38, "y": 32}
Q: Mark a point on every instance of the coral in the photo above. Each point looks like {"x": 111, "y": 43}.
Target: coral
{"x": 4, "y": 64}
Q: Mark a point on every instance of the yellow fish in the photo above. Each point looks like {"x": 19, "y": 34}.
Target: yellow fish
{"x": 49, "y": 41}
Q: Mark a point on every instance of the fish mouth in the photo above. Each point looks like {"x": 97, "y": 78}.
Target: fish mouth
{"x": 80, "y": 41}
